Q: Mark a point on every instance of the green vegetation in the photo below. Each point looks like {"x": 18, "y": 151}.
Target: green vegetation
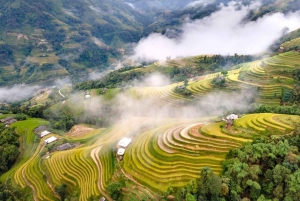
{"x": 255, "y": 158}
{"x": 177, "y": 72}
{"x": 9, "y": 148}
{"x": 262, "y": 170}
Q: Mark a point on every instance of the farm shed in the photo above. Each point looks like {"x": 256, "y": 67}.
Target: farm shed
{"x": 40, "y": 128}
{"x": 6, "y": 119}
{"x": 50, "y": 139}
{"x": 124, "y": 142}
{"x": 64, "y": 147}
{"x": 121, "y": 151}
{"x": 232, "y": 117}
{"x": 10, "y": 122}
{"x": 44, "y": 133}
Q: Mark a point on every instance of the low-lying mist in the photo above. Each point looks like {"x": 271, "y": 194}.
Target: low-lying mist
{"x": 17, "y": 93}
{"x": 223, "y": 32}
{"x": 139, "y": 102}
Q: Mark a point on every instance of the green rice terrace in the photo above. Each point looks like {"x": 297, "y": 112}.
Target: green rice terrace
{"x": 163, "y": 153}
{"x": 172, "y": 151}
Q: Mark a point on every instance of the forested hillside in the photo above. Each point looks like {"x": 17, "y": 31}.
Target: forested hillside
{"x": 48, "y": 39}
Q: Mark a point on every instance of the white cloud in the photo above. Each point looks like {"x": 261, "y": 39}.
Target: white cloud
{"x": 17, "y": 93}
{"x": 197, "y": 3}
{"x": 223, "y": 32}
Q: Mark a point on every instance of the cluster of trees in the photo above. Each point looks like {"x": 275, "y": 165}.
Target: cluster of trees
{"x": 176, "y": 74}
{"x": 67, "y": 194}
{"x": 182, "y": 89}
{"x": 115, "y": 189}
{"x": 263, "y": 170}
{"x": 93, "y": 55}
{"x": 9, "y": 148}
{"x": 111, "y": 80}
{"x": 292, "y": 95}
{"x": 10, "y": 193}
{"x": 294, "y": 109}
{"x": 6, "y": 54}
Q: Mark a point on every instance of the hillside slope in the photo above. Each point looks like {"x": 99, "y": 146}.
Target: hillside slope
{"x": 40, "y": 40}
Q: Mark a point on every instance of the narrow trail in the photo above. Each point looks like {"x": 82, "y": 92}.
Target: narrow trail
{"x": 47, "y": 181}
{"x": 95, "y": 156}
{"x": 61, "y": 93}
{"x": 133, "y": 180}
{"x": 31, "y": 186}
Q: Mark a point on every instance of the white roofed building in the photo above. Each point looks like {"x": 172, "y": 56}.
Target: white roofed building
{"x": 44, "y": 133}
{"x": 121, "y": 151}
{"x": 124, "y": 142}
{"x": 50, "y": 139}
{"x": 232, "y": 117}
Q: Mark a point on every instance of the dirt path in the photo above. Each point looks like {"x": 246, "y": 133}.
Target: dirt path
{"x": 79, "y": 131}
{"x": 47, "y": 181}
{"x": 95, "y": 156}
{"x": 61, "y": 93}
{"x": 133, "y": 180}
{"x": 31, "y": 186}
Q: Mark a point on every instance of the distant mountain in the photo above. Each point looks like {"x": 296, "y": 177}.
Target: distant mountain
{"x": 198, "y": 9}
{"x": 46, "y": 39}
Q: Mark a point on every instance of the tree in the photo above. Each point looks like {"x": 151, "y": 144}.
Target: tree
{"x": 190, "y": 197}
{"x": 224, "y": 72}
{"x": 115, "y": 190}
{"x": 186, "y": 82}
{"x": 209, "y": 184}
{"x": 61, "y": 191}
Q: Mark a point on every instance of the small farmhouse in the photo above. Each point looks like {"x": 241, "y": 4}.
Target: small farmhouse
{"x": 50, "y": 139}
{"x": 6, "y": 119}
{"x": 64, "y": 147}
{"x": 44, "y": 133}
{"x": 9, "y": 122}
{"x": 124, "y": 142}
{"x": 121, "y": 151}
{"x": 229, "y": 120}
{"x": 40, "y": 129}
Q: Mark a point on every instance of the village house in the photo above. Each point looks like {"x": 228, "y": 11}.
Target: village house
{"x": 8, "y": 123}
{"x": 229, "y": 120}
{"x": 64, "y": 147}
{"x": 44, "y": 133}
{"x": 122, "y": 144}
{"x": 40, "y": 129}
{"x": 49, "y": 140}
{"x": 6, "y": 119}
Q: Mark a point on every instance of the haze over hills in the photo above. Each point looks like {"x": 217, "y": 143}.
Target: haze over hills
{"x": 135, "y": 100}
{"x": 44, "y": 40}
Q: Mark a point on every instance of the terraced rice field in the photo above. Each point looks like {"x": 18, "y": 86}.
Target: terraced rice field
{"x": 160, "y": 95}
{"x": 176, "y": 153}
{"x": 287, "y": 60}
{"x": 164, "y": 152}
{"x": 291, "y": 43}
{"x": 266, "y": 121}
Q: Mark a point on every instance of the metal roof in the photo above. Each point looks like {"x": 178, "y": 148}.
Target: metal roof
{"x": 50, "y": 139}
{"x": 124, "y": 142}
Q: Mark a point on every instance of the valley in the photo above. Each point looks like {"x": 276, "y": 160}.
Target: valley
{"x": 149, "y": 101}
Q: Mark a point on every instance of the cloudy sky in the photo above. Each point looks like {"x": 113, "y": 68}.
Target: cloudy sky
{"x": 223, "y": 32}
